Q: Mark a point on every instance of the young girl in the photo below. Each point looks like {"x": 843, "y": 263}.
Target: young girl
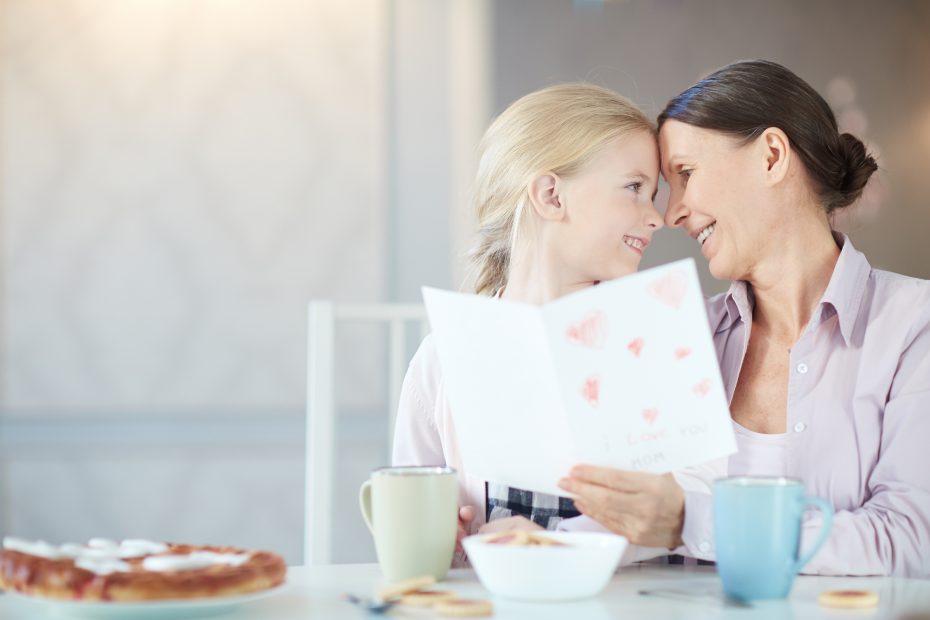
{"x": 564, "y": 197}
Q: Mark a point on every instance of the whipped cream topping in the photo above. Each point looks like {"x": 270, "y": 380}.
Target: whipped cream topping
{"x": 193, "y": 561}
{"x": 38, "y": 548}
{"x": 102, "y": 543}
{"x": 71, "y": 550}
{"x": 103, "y": 557}
{"x": 136, "y": 548}
{"x": 102, "y": 566}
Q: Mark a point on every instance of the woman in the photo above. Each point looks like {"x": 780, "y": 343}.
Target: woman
{"x": 564, "y": 197}
{"x": 826, "y": 360}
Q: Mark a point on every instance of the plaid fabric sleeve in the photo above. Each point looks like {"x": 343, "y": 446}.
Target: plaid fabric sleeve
{"x": 540, "y": 508}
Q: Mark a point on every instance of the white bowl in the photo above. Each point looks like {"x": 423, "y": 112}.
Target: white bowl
{"x": 579, "y": 569}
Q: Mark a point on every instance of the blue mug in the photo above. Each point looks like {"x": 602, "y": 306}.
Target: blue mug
{"x": 757, "y": 528}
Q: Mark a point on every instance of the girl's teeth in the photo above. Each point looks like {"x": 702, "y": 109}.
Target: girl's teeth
{"x": 635, "y": 243}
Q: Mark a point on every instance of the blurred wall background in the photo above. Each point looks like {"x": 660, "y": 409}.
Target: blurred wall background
{"x": 179, "y": 177}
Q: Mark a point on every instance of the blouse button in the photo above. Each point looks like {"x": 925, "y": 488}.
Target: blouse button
{"x": 799, "y": 427}
{"x": 802, "y": 368}
{"x": 704, "y": 547}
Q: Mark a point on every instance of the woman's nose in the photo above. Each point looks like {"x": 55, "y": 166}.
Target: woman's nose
{"x": 676, "y": 212}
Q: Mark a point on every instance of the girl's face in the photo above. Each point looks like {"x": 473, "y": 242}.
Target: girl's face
{"x": 716, "y": 193}
{"x": 609, "y": 212}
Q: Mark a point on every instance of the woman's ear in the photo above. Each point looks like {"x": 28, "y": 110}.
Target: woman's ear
{"x": 776, "y": 154}
{"x": 545, "y": 196}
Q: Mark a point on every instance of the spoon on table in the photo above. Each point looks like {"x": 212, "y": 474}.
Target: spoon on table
{"x": 371, "y": 605}
{"x": 708, "y": 597}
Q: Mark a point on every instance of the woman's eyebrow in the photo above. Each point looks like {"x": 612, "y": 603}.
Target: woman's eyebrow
{"x": 673, "y": 161}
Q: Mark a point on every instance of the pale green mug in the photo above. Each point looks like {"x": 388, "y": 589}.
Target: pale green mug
{"x": 412, "y": 513}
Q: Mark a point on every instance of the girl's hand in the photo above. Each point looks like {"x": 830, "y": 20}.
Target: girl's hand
{"x": 648, "y": 509}
{"x": 510, "y": 524}
{"x": 466, "y": 516}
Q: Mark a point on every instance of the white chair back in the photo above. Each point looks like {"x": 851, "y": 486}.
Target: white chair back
{"x": 321, "y": 408}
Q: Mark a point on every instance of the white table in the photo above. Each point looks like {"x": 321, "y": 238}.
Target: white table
{"x": 314, "y": 592}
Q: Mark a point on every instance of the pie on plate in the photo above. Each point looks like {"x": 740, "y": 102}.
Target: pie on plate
{"x": 135, "y": 571}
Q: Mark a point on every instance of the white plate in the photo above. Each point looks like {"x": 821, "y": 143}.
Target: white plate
{"x": 192, "y": 608}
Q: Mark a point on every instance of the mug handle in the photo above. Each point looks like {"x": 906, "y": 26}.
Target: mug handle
{"x": 364, "y": 503}
{"x": 827, "y": 510}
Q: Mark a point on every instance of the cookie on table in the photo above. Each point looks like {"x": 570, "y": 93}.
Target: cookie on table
{"x": 465, "y": 608}
{"x": 427, "y": 598}
{"x": 396, "y": 590}
{"x": 849, "y": 599}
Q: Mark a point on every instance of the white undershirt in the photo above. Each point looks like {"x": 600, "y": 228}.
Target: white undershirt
{"x": 759, "y": 454}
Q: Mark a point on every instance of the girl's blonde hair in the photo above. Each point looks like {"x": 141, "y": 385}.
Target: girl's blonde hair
{"x": 556, "y": 129}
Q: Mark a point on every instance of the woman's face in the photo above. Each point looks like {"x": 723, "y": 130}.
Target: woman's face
{"x": 717, "y": 195}
{"x": 610, "y": 216}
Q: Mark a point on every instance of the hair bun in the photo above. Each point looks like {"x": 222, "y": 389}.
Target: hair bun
{"x": 857, "y": 167}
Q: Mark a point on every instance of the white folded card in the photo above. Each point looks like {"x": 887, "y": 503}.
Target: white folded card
{"x": 622, "y": 374}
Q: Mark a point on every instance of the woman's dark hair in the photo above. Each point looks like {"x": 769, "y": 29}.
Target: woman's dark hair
{"x": 746, "y": 98}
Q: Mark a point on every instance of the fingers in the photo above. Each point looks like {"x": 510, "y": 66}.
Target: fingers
{"x": 508, "y": 524}
{"x": 616, "y": 523}
{"x": 617, "y": 479}
{"x": 581, "y": 507}
{"x": 591, "y": 494}
{"x": 466, "y": 514}
{"x": 602, "y": 499}
{"x": 651, "y": 515}
{"x": 489, "y": 527}
{"x": 497, "y": 525}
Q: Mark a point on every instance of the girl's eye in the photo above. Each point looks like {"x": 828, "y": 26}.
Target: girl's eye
{"x": 635, "y": 187}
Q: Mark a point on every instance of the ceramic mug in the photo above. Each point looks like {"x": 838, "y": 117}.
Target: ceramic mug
{"x": 757, "y": 527}
{"x": 412, "y": 512}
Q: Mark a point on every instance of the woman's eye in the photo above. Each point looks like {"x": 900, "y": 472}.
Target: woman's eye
{"x": 635, "y": 187}
{"x": 684, "y": 175}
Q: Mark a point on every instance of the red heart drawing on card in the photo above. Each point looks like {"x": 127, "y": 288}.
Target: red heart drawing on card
{"x": 590, "y": 331}
{"x": 702, "y": 388}
{"x": 670, "y": 289}
{"x": 682, "y": 352}
{"x": 636, "y": 346}
{"x": 650, "y": 415}
{"x": 591, "y": 390}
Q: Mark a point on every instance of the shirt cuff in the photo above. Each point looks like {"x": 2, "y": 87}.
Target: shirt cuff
{"x": 697, "y": 534}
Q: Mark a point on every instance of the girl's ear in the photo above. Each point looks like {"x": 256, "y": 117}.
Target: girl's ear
{"x": 544, "y": 191}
